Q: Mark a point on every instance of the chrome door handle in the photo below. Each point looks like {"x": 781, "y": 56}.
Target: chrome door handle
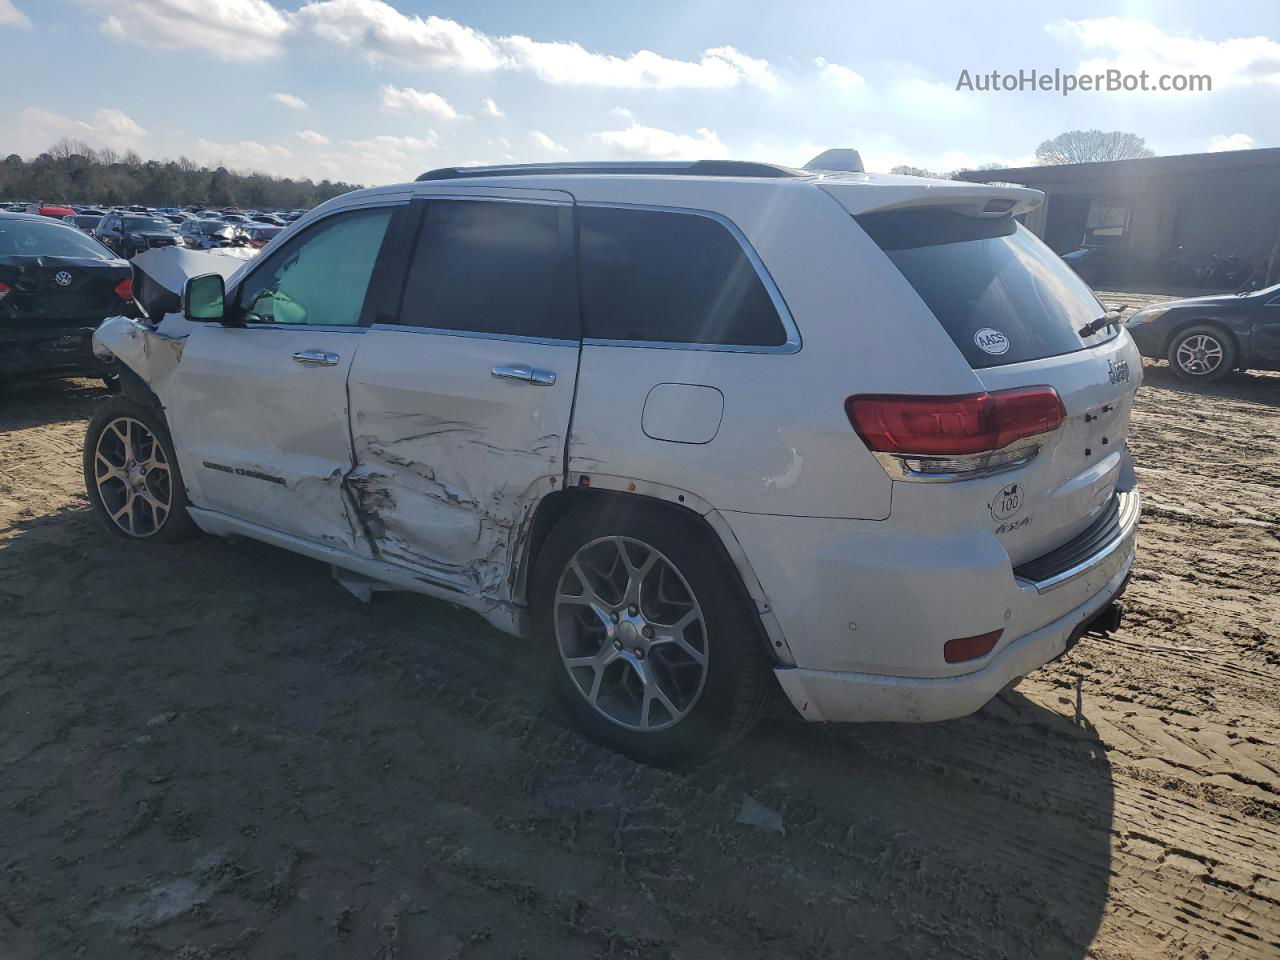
{"x": 525, "y": 373}
{"x": 316, "y": 358}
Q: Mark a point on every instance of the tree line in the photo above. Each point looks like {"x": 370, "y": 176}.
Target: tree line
{"x": 73, "y": 172}
{"x": 1074, "y": 146}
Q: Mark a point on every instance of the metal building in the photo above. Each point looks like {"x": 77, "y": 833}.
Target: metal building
{"x": 1169, "y": 220}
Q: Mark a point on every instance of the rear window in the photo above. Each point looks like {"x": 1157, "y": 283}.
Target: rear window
{"x": 671, "y": 278}
{"x": 32, "y": 238}
{"x": 1002, "y": 295}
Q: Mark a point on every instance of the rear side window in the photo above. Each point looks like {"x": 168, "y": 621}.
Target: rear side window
{"x": 483, "y": 266}
{"x": 32, "y": 238}
{"x": 1002, "y": 295}
{"x": 664, "y": 277}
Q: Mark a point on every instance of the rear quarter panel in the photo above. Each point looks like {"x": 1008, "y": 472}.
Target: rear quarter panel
{"x": 784, "y": 445}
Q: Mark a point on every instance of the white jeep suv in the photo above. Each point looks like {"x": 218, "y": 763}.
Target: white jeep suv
{"x": 691, "y": 428}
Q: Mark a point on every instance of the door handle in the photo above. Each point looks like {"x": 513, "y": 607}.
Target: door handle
{"x": 316, "y": 358}
{"x": 526, "y": 374}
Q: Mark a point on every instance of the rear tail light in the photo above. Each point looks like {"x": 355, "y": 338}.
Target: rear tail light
{"x": 955, "y": 438}
{"x": 4, "y": 290}
{"x": 124, "y": 289}
{"x": 970, "y": 648}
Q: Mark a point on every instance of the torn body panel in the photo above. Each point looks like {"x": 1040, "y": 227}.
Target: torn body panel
{"x": 449, "y": 460}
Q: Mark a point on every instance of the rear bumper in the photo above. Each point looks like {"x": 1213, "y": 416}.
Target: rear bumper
{"x": 58, "y": 351}
{"x": 865, "y": 610}
{"x": 830, "y": 696}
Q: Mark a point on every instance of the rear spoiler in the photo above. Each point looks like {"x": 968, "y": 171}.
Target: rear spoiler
{"x": 899, "y": 193}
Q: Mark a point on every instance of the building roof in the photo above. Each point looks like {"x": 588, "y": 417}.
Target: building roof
{"x": 1185, "y": 163}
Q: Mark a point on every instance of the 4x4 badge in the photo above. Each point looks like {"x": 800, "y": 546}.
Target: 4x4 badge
{"x": 1007, "y": 502}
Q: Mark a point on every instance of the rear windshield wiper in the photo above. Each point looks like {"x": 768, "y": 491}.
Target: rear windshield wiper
{"x": 1109, "y": 319}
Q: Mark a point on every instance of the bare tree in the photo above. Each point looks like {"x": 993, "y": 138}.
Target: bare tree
{"x": 1091, "y": 146}
{"x": 911, "y": 171}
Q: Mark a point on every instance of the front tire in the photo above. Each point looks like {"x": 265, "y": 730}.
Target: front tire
{"x": 131, "y": 475}
{"x": 651, "y": 643}
{"x": 1202, "y": 352}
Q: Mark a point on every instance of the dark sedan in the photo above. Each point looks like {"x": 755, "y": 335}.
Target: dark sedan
{"x": 128, "y": 234}
{"x": 56, "y": 286}
{"x": 1205, "y": 338}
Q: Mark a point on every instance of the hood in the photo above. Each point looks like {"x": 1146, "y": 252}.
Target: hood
{"x": 160, "y": 275}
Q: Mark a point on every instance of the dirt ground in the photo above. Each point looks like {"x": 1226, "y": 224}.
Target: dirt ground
{"x": 213, "y": 751}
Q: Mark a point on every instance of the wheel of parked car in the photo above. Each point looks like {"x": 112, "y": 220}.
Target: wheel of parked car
{"x": 652, "y": 644}
{"x": 131, "y": 474}
{"x": 1202, "y": 352}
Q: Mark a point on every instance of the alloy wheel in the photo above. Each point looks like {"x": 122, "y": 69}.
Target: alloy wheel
{"x": 133, "y": 477}
{"x": 1199, "y": 354}
{"x": 631, "y": 633}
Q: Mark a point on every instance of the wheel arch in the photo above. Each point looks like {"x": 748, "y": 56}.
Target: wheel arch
{"x": 600, "y": 492}
{"x": 1240, "y": 346}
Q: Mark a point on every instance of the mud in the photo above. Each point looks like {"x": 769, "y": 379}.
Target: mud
{"x": 212, "y": 750}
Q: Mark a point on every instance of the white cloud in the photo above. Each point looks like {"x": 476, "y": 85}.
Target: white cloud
{"x": 38, "y": 129}
{"x": 407, "y": 98}
{"x": 380, "y": 159}
{"x": 622, "y": 112}
{"x": 312, "y": 137}
{"x": 1132, "y": 45}
{"x": 378, "y": 32}
{"x": 289, "y": 100}
{"x": 570, "y": 64}
{"x": 382, "y": 34}
{"x": 838, "y": 75}
{"x": 651, "y": 143}
{"x": 229, "y": 29}
{"x": 490, "y": 109}
{"x": 11, "y": 16}
{"x": 244, "y": 155}
{"x": 1230, "y": 141}
{"x": 546, "y": 144}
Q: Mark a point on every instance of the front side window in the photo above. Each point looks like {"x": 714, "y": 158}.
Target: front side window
{"x": 650, "y": 275}
{"x": 483, "y": 266}
{"x": 321, "y": 278}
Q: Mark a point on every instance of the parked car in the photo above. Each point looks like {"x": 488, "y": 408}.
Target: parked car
{"x": 56, "y": 286}
{"x": 260, "y": 234}
{"x": 696, "y": 436}
{"x": 54, "y": 211}
{"x": 207, "y": 234}
{"x": 129, "y": 233}
{"x": 267, "y": 218}
{"x": 86, "y": 223}
{"x": 1205, "y": 338}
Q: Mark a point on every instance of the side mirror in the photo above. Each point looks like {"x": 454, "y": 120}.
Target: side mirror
{"x": 202, "y": 298}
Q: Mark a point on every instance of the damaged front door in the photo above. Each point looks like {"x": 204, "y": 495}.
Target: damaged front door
{"x": 259, "y": 405}
{"x": 460, "y": 402}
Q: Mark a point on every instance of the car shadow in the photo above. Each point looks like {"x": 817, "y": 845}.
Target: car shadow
{"x": 32, "y": 402}
{"x": 1251, "y": 386}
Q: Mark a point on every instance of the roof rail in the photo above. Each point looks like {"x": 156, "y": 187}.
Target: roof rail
{"x": 691, "y": 168}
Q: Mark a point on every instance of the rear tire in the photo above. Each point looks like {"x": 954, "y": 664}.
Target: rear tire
{"x": 131, "y": 475}
{"x": 1203, "y": 353}
{"x": 657, "y": 653}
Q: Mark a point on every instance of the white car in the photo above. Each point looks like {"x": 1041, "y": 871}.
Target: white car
{"x": 699, "y": 431}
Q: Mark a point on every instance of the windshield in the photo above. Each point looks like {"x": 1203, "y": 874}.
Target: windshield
{"x": 144, "y": 224}
{"x": 31, "y": 238}
{"x": 1001, "y": 295}
{"x": 214, "y": 229}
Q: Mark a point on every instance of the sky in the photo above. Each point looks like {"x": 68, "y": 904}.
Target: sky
{"x": 377, "y": 91}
